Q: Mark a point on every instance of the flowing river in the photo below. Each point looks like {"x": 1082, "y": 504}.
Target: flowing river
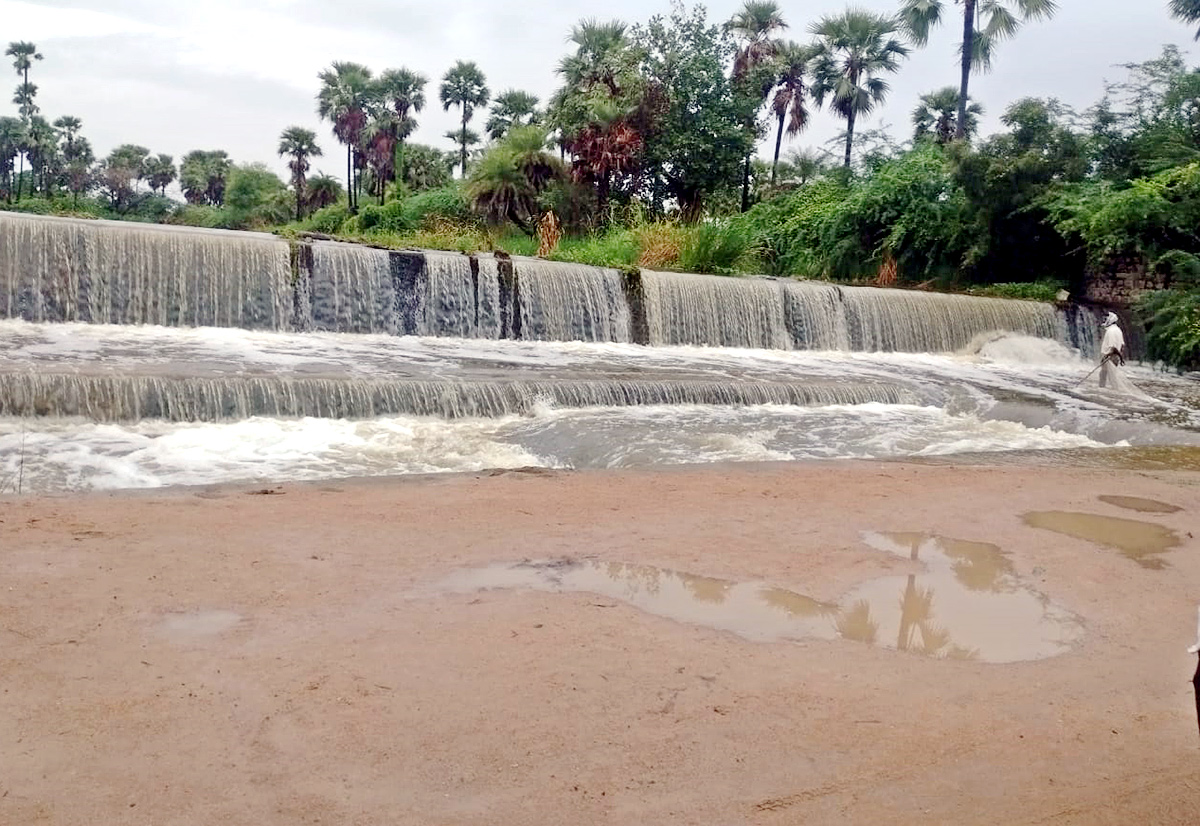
{"x": 147, "y": 356}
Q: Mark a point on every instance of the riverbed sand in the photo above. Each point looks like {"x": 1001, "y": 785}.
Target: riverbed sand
{"x": 288, "y": 655}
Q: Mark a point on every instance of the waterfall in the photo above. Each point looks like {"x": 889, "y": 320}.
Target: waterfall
{"x": 815, "y": 316}
{"x": 457, "y": 302}
{"x": 571, "y": 302}
{"x": 117, "y": 398}
{"x": 352, "y": 290}
{"x": 715, "y": 310}
{"x": 915, "y": 322}
{"x": 109, "y": 272}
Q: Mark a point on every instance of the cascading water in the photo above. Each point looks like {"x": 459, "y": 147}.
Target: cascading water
{"x": 456, "y": 302}
{"x": 571, "y": 302}
{"x": 352, "y": 289}
{"x": 917, "y": 322}
{"x": 107, "y": 272}
{"x": 815, "y": 316}
{"x": 715, "y": 311}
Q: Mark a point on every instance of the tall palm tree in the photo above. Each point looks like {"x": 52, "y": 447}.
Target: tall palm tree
{"x": 936, "y": 116}
{"x": 23, "y": 54}
{"x": 464, "y": 85}
{"x": 985, "y": 23}
{"x": 597, "y": 61}
{"x": 791, "y": 90}
{"x": 380, "y": 137}
{"x": 1188, "y": 11}
{"x": 299, "y": 144}
{"x": 856, "y": 47}
{"x": 345, "y": 94}
{"x": 511, "y": 108}
{"x": 406, "y": 91}
{"x": 755, "y": 27}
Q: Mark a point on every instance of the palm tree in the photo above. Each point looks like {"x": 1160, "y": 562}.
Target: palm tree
{"x": 598, "y": 57}
{"x": 323, "y": 190}
{"x": 299, "y": 144}
{"x": 406, "y": 91}
{"x": 345, "y": 94}
{"x": 160, "y": 172}
{"x": 511, "y": 108}
{"x": 790, "y": 93}
{"x": 380, "y": 137}
{"x": 855, "y": 48}
{"x": 464, "y": 85}
{"x": 755, "y": 26}
{"x": 1187, "y": 10}
{"x": 937, "y": 116}
{"x": 1001, "y": 20}
{"x": 23, "y": 54}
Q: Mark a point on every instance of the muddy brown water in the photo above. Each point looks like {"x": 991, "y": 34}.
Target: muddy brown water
{"x": 1137, "y": 503}
{"x": 1140, "y": 541}
{"x": 966, "y": 602}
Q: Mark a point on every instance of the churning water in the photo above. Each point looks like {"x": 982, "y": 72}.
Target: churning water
{"x": 141, "y": 356}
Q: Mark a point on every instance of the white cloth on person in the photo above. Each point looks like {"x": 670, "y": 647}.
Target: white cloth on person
{"x": 1111, "y": 350}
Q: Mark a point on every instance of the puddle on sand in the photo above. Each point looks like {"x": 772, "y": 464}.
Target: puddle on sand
{"x": 967, "y": 603}
{"x": 1140, "y": 541}
{"x": 1136, "y": 503}
{"x": 197, "y": 624}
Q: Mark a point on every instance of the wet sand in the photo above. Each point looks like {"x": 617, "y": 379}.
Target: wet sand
{"x": 229, "y": 655}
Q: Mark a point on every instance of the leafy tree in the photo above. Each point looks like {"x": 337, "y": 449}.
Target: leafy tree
{"x": 120, "y": 173}
{"x": 510, "y": 178}
{"x": 464, "y": 86}
{"x": 77, "y": 172}
{"x": 512, "y": 108}
{"x": 936, "y": 116}
{"x": 698, "y": 140}
{"x": 160, "y": 172}
{"x": 41, "y": 149}
{"x": 426, "y": 167}
{"x": 202, "y": 175}
{"x": 755, "y": 26}
{"x": 298, "y": 145}
{"x": 791, "y": 90}
{"x": 856, "y": 47}
{"x": 12, "y": 138}
{"x": 1001, "y": 19}
{"x": 1187, "y": 10}
{"x": 256, "y": 197}
{"x": 345, "y": 95}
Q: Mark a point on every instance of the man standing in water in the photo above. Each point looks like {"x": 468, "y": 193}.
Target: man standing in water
{"x": 1110, "y": 349}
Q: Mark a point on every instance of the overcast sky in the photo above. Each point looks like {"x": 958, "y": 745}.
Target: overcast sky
{"x": 232, "y": 74}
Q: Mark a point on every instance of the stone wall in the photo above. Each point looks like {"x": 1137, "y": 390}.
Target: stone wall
{"x": 1122, "y": 282}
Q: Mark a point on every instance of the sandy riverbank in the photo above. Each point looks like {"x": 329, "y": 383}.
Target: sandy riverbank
{"x": 200, "y": 656}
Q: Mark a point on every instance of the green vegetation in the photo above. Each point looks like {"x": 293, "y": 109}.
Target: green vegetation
{"x": 645, "y": 157}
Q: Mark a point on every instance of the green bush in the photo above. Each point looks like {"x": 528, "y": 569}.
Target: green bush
{"x": 1030, "y": 291}
{"x": 328, "y": 220}
{"x": 446, "y": 203}
{"x": 720, "y": 247}
{"x": 198, "y": 215}
{"x": 1172, "y": 321}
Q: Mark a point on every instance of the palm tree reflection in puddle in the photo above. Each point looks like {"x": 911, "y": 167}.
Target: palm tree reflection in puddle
{"x": 983, "y": 611}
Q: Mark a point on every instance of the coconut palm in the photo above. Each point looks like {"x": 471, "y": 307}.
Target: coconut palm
{"x": 299, "y": 145}
{"x": 511, "y": 108}
{"x": 1187, "y": 10}
{"x": 791, "y": 90}
{"x": 755, "y": 26}
{"x": 855, "y": 48}
{"x": 464, "y": 86}
{"x": 1000, "y": 19}
{"x": 936, "y": 116}
{"x": 345, "y": 95}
